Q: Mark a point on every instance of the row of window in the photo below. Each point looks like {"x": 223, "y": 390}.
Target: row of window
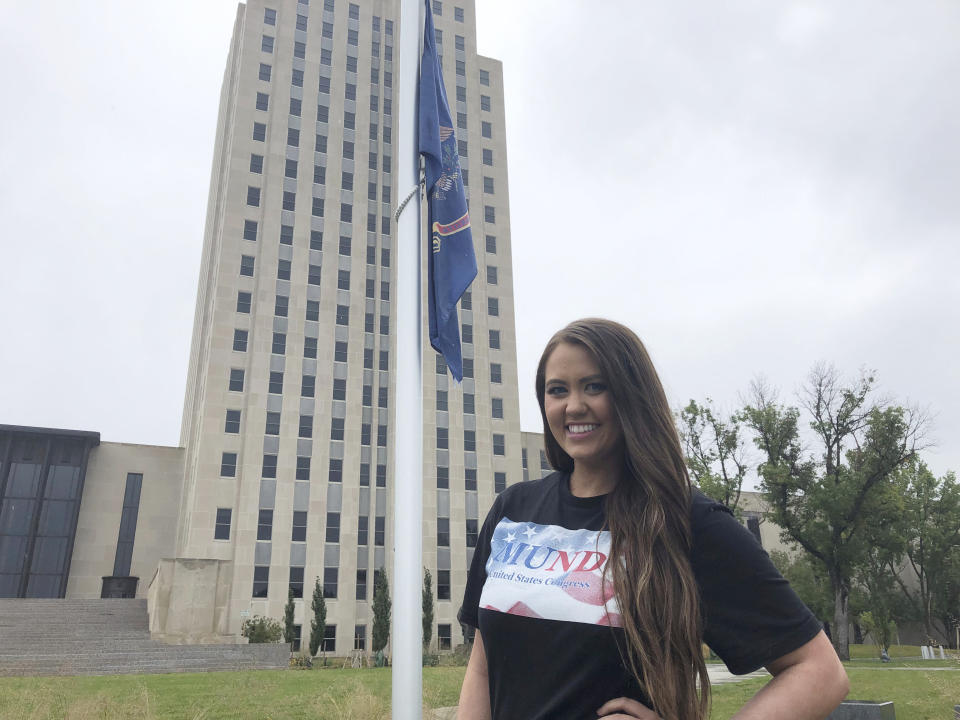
{"x": 470, "y": 441}
{"x": 470, "y": 479}
{"x": 228, "y": 460}
{"x": 438, "y": 11}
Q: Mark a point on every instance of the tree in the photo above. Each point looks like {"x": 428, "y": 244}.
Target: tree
{"x": 289, "y": 634}
{"x": 259, "y": 629}
{"x": 318, "y": 625}
{"x": 427, "y": 609}
{"x": 882, "y": 630}
{"x": 381, "y": 610}
{"x": 931, "y": 521}
{"x": 715, "y": 451}
{"x": 808, "y": 580}
{"x": 826, "y": 500}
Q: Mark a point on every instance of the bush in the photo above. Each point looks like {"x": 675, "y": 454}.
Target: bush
{"x": 459, "y": 657}
{"x": 430, "y": 660}
{"x": 301, "y": 662}
{"x": 260, "y": 629}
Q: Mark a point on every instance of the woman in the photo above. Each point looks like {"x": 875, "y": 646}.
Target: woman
{"x": 593, "y": 588}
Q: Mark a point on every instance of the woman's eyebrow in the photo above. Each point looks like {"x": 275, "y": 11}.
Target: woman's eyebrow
{"x": 591, "y": 378}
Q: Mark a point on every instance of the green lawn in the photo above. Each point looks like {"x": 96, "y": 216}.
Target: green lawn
{"x": 365, "y": 694}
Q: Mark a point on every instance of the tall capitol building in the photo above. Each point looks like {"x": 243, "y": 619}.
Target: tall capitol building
{"x": 288, "y": 422}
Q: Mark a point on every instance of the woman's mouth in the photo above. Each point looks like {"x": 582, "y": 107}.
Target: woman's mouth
{"x": 580, "y": 429}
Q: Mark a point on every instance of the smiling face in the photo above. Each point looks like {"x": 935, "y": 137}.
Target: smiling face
{"x": 580, "y": 412}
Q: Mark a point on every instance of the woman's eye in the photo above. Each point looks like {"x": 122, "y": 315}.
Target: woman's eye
{"x": 595, "y": 387}
{"x": 556, "y": 390}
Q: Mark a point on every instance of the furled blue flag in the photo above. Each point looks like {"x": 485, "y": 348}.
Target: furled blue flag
{"x": 451, "y": 264}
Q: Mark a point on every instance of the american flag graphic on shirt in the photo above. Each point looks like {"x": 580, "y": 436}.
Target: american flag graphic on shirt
{"x": 550, "y": 572}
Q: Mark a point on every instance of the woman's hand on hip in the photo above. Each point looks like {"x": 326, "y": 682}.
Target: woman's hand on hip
{"x": 626, "y": 709}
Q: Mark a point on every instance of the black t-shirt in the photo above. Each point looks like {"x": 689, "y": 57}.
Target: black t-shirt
{"x": 551, "y": 626}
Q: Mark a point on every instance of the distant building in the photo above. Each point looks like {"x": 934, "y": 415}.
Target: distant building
{"x": 285, "y": 470}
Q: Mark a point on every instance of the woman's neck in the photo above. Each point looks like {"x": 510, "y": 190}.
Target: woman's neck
{"x": 590, "y": 481}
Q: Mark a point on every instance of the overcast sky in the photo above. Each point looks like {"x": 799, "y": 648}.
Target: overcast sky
{"x": 754, "y": 187}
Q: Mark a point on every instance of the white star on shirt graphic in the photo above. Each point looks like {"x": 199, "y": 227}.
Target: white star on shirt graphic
{"x": 510, "y": 537}
{"x": 529, "y": 532}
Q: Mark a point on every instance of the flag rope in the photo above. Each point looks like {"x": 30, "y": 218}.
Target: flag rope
{"x": 409, "y": 197}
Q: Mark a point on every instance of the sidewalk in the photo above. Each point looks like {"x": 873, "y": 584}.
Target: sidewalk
{"x": 719, "y": 675}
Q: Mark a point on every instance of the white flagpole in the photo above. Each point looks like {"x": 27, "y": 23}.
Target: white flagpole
{"x": 408, "y": 476}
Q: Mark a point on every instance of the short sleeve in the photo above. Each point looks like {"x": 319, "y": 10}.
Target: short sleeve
{"x": 477, "y": 576}
{"x": 752, "y": 615}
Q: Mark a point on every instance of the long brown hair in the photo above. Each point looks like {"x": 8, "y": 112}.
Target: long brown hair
{"x": 648, "y": 515}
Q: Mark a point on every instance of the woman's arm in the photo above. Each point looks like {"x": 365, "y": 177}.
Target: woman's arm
{"x": 475, "y": 693}
{"x": 807, "y": 684}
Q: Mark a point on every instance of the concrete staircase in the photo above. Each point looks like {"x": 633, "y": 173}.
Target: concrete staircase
{"x": 108, "y": 637}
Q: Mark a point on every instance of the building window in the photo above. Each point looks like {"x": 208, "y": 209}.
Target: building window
{"x": 468, "y": 367}
{"x": 492, "y": 274}
{"x": 471, "y": 532}
{"x": 266, "y": 44}
{"x": 382, "y": 395}
{"x": 443, "y": 477}
{"x": 228, "y": 465}
{"x": 466, "y": 331}
{"x": 239, "y": 340}
{"x": 441, "y": 399}
{"x": 316, "y": 240}
{"x": 379, "y": 530}
{"x": 308, "y": 385}
{"x": 303, "y": 468}
{"x": 486, "y": 129}
{"x": 461, "y": 68}
{"x": 443, "y": 532}
{"x": 343, "y": 279}
{"x": 265, "y": 72}
{"x": 488, "y": 185}
{"x": 494, "y": 339}
{"x": 329, "y": 643}
{"x": 265, "y": 524}
{"x": 499, "y": 482}
{"x": 498, "y": 444}
{"x": 246, "y": 265}
{"x": 339, "y": 389}
{"x": 458, "y": 14}
{"x": 313, "y": 278}
{"x": 290, "y": 169}
{"x": 296, "y": 582}
{"x": 259, "y": 131}
{"x": 470, "y": 440}
{"x": 443, "y": 442}
{"x": 443, "y": 584}
{"x": 493, "y": 307}
{"x": 263, "y": 101}
{"x": 335, "y": 470}
{"x": 261, "y": 579}
{"x": 299, "y": 533}
{"x": 484, "y": 77}
{"x": 299, "y": 49}
{"x": 343, "y": 315}
{"x": 272, "y": 424}
{"x": 485, "y": 102}
{"x": 340, "y": 352}
{"x": 381, "y": 435}
{"x": 444, "y": 639}
{"x": 313, "y": 306}
{"x": 296, "y": 78}
{"x": 301, "y": 22}
{"x": 283, "y": 269}
{"x": 309, "y": 347}
{"x": 353, "y": 40}
{"x": 470, "y": 479}
{"x": 269, "y": 467}
{"x": 496, "y": 407}
{"x": 381, "y": 476}
{"x": 364, "y": 474}
{"x": 496, "y": 373}
{"x": 279, "y": 346}
{"x": 221, "y": 530}
{"x": 488, "y": 157}
{"x": 275, "y": 384}
{"x": 489, "y": 214}
{"x": 360, "y": 631}
{"x": 361, "y": 584}
{"x": 336, "y": 429}
{"x": 466, "y": 301}
{"x": 281, "y": 305}
{"x": 345, "y": 245}
{"x": 362, "y": 522}
{"x": 236, "y": 380}
{"x": 468, "y": 404}
{"x": 253, "y": 193}
{"x": 306, "y": 426}
{"x": 232, "y": 424}
{"x": 333, "y": 527}
{"x": 330, "y": 584}
{"x": 437, "y": 8}
{"x": 243, "y": 302}
{"x": 286, "y": 235}
{"x": 269, "y": 16}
